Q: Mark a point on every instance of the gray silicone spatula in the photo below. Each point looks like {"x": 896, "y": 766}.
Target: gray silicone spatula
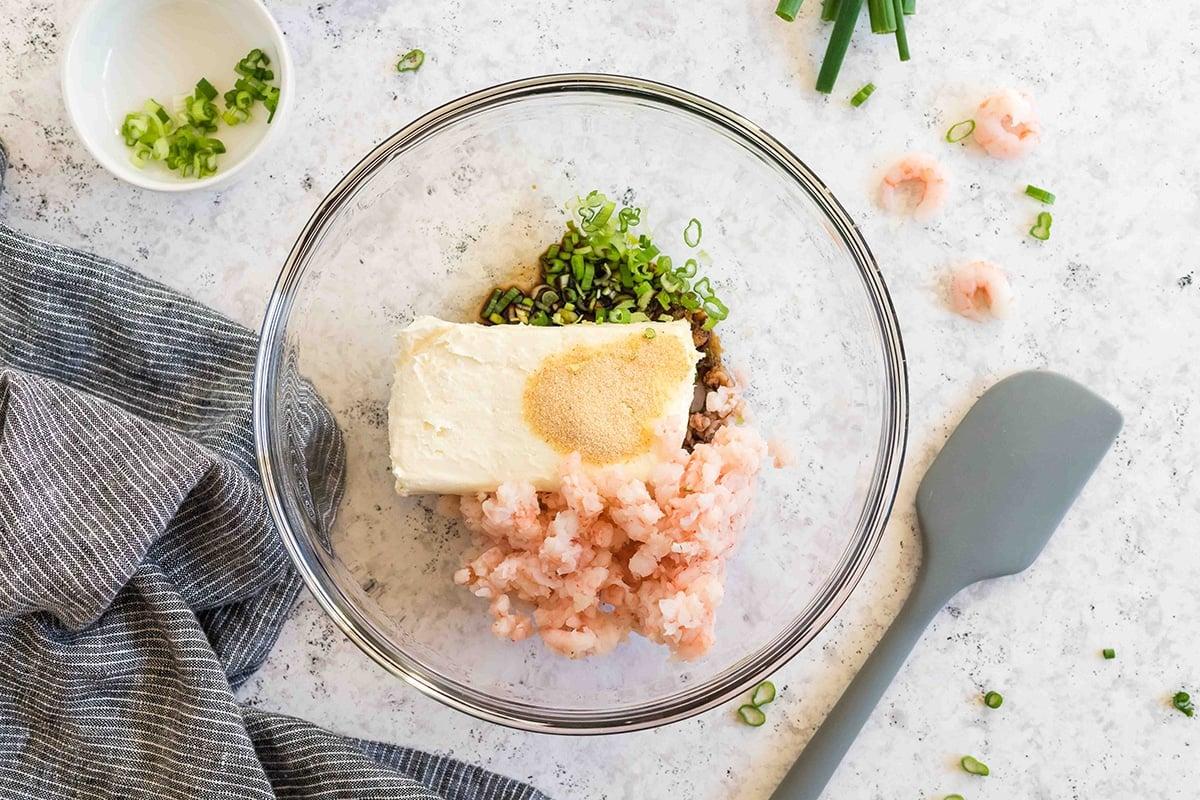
{"x": 986, "y": 508}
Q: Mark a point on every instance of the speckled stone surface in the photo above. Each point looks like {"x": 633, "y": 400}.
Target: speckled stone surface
{"x": 1113, "y": 299}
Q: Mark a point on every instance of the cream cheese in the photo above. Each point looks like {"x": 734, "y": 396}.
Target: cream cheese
{"x": 469, "y": 402}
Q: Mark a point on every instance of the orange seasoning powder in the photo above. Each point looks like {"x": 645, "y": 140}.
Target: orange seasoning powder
{"x": 603, "y": 401}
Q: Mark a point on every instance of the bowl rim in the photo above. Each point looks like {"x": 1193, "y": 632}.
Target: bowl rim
{"x": 734, "y": 680}
{"x": 131, "y": 174}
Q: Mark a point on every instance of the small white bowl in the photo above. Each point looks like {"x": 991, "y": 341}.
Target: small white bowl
{"x": 123, "y": 52}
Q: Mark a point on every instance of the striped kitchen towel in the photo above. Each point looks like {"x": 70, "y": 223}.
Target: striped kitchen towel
{"x": 141, "y": 580}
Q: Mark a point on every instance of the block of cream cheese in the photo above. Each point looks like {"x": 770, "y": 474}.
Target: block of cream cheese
{"x": 474, "y": 405}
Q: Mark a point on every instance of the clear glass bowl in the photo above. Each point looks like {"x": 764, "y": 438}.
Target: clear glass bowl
{"x": 468, "y": 196}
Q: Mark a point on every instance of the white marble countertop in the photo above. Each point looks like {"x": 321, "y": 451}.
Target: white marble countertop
{"x": 1112, "y": 299}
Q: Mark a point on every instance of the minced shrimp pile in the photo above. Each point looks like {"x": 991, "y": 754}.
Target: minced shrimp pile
{"x": 606, "y": 554}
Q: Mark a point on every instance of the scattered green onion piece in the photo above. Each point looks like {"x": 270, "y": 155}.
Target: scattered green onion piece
{"x": 141, "y": 154}
{"x": 839, "y": 42}
{"x": 648, "y": 333}
{"x": 628, "y": 218}
{"x": 960, "y": 130}
{"x": 763, "y": 694}
{"x": 205, "y": 89}
{"x": 787, "y": 9}
{"x": 975, "y": 766}
{"x": 1040, "y": 194}
{"x": 155, "y": 109}
{"x": 910, "y": 7}
{"x": 901, "y": 31}
{"x": 862, "y": 94}
{"x": 1183, "y": 703}
{"x": 1109, "y": 653}
{"x": 829, "y": 10}
{"x": 993, "y": 699}
{"x": 1041, "y": 228}
{"x": 619, "y": 315}
{"x": 751, "y": 715}
{"x": 411, "y": 61}
{"x": 693, "y": 232}
{"x": 954, "y": 797}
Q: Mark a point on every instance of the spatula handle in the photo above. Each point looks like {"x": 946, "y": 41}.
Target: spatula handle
{"x": 816, "y": 765}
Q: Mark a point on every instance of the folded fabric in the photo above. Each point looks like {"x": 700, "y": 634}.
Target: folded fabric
{"x": 141, "y": 579}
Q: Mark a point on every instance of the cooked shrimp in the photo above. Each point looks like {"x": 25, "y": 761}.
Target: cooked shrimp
{"x": 916, "y": 184}
{"x": 980, "y": 290}
{"x": 1007, "y": 125}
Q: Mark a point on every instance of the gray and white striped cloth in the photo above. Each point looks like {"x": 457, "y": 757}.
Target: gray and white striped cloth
{"x": 141, "y": 580}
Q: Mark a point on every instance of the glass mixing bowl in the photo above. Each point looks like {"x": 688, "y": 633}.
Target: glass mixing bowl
{"x": 467, "y": 197}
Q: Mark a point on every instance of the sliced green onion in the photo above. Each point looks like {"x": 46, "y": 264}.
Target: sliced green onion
{"x": 954, "y": 797}
{"x": 862, "y": 94}
{"x": 1041, "y": 228}
{"x": 993, "y": 699}
{"x": 839, "y": 42}
{"x": 628, "y": 218}
{"x": 411, "y": 61}
{"x": 960, "y": 130}
{"x": 829, "y": 10}
{"x": 648, "y": 333}
{"x": 1183, "y": 703}
{"x": 910, "y": 7}
{"x": 1109, "y": 653}
{"x": 141, "y": 153}
{"x": 787, "y": 9}
{"x": 763, "y": 694}
{"x": 600, "y": 272}
{"x": 205, "y": 89}
{"x": 693, "y": 232}
{"x": 1040, "y": 194}
{"x": 489, "y": 307}
{"x": 751, "y": 715}
{"x": 155, "y": 109}
{"x": 975, "y": 766}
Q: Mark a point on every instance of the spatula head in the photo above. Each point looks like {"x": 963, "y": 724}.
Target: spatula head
{"x": 1008, "y": 474}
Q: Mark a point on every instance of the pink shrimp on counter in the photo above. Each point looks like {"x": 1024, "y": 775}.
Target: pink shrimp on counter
{"x": 1007, "y": 125}
{"x": 916, "y": 185}
{"x": 980, "y": 290}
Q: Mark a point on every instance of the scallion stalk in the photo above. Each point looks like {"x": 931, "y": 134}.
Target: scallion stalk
{"x": 787, "y": 9}
{"x": 901, "y": 32}
{"x": 839, "y": 42}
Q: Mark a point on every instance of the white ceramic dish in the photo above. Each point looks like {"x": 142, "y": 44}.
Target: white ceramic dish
{"x": 122, "y": 52}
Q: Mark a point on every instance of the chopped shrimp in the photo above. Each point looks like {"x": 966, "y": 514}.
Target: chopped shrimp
{"x": 916, "y": 184}
{"x": 980, "y": 290}
{"x": 1007, "y": 125}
